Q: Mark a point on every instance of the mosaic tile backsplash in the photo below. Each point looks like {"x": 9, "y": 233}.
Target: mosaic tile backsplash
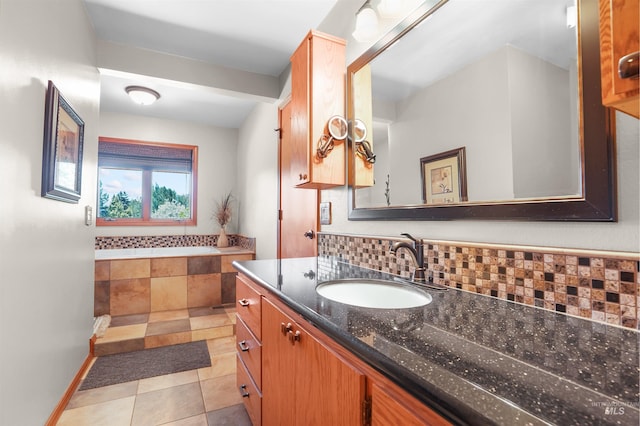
{"x": 602, "y": 286}
{"x": 150, "y": 241}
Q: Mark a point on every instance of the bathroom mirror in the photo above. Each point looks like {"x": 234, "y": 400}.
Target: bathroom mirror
{"x": 515, "y": 85}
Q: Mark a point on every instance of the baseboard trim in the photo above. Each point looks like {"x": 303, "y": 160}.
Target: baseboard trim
{"x": 57, "y": 412}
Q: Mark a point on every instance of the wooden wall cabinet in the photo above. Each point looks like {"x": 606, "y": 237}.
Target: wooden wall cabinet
{"x": 318, "y": 68}
{"x": 619, "y": 37}
{"x": 361, "y": 171}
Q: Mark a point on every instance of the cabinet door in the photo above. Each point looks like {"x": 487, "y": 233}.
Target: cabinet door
{"x": 278, "y": 369}
{"x": 387, "y": 409}
{"x": 303, "y": 381}
{"x": 618, "y": 38}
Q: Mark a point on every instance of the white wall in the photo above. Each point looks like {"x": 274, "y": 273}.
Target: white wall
{"x": 258, "y": 179}
{"x": 217, "y": 152}
{"x": 46, "y": 251}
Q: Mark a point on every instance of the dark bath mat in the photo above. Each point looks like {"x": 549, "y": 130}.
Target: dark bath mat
{"x": 129, "y": 366}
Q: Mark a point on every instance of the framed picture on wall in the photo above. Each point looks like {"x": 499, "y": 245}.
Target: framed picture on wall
{"x": 444, "y": 177}
{"x": 62, "y": 152}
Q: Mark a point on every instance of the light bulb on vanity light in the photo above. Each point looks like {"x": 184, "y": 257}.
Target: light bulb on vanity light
{"x": 142, "y": 95}
{"x": 366, "y": 23}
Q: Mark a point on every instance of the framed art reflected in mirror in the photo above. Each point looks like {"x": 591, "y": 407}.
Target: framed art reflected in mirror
{"x": 444, "y": 178}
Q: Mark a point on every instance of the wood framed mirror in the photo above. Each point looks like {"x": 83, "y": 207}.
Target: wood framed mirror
{"x": 536, "y": 165}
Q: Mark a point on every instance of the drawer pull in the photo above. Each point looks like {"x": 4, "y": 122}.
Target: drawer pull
{"x": 243, "y": 391}
{"x": 629, "y": 65}
{"x": 243, "y": 346}
{"x": 243, "y": 302}
{"x": 284, "y": 329}
{"x": 293, "y": 337}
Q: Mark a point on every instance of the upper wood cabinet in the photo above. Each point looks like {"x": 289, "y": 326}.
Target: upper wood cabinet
{"x": 619, "y": 38}
{"x": 318, "y": 68}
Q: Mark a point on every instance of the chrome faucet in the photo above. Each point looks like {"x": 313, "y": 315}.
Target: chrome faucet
{"x": 417, "y": 251}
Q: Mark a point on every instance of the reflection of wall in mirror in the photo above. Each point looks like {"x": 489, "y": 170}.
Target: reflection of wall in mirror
{"x": 476, "y": 107}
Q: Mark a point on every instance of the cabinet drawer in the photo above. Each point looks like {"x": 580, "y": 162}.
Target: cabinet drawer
{"x": 250, "y": 351}
{"x": 249, "y": 305}
{"x": 251, "y": 397}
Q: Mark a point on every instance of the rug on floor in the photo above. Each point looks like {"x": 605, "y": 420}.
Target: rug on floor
{"x": 129, "y": 366}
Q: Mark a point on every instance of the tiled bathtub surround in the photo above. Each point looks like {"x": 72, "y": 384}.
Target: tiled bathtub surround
{"x": 140, "y": 286}
{"x": 602, "y": 286}
{"x": 171, "y": 241}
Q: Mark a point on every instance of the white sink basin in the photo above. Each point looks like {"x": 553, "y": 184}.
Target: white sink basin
{"x": 373, "y": 294}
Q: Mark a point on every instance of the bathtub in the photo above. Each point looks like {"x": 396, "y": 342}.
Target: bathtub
{"x": 135, "y": 253}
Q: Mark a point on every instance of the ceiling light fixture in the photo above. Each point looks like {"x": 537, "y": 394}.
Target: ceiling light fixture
{"x": 366, "y": 23}
{"x": 142, "y": 95}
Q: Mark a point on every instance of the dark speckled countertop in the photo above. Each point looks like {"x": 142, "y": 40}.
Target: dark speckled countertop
{"x": 475, "y": 359}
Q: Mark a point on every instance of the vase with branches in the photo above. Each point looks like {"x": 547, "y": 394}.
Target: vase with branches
{"x": 222, "y": 215}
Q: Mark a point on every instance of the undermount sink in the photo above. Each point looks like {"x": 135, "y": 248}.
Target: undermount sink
{"x": 373, "y": 294}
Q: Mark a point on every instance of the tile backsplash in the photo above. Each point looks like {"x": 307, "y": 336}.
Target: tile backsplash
{"x": 149, "y": 241}
{"x": 602, "y": 286}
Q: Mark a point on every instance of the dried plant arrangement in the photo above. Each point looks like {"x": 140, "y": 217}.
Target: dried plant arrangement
{"x": 223, "y": 210}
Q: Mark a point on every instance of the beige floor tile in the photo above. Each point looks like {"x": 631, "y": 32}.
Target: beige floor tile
{"x": 112, "y": 413}
{"x": 209, "y": 321}
{"x": 221, "y": 345}
{"x": 199, "y": 420}
{"x": 168, "y": 405}
{"x": 220, "y": 392}
{"x": 123, "y": 333}
{"x": 221, "y": 365}
{"x": 168, "y": 315}
{"x": 103, "y": 394}
{"x": 167, "y": 381}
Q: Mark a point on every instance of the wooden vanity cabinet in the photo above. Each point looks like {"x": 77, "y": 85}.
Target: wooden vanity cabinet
{"x": 249, "y": 346}
{"x": 305, "y": 377}
{"x": 303, "y": 381}
{"x": 619, "y": 36}
{"x": 318, "y": 69}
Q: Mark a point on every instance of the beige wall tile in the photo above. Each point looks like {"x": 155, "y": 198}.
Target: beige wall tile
{"x": 131, "y": 296}
{"x": 132, "y": 268}
{"x": 168, "y": 266}
{"x": 167, "y": 339}
{"x": 212, "y": 333}
{"x": 101, "y": 271}
{"x": 204, "y": 290}
{"x": 168, "y": 293}
{"x": 227, "y": 260}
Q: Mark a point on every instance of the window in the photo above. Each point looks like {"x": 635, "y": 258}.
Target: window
{"x": 146, "y": 183}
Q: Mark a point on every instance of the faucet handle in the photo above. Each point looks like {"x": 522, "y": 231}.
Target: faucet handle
{"x": 404, "y": 234}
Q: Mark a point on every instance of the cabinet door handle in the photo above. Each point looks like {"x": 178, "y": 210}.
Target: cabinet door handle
{"x": 243, "y": 346}
{"x": 243, "y": 302}
{"x": 285, "y": 328}
{"x": 629, "y": 65}
{"x": 293, "y": 337}
{"x": 309, "y": 234}
{"x": 243, "y": 391}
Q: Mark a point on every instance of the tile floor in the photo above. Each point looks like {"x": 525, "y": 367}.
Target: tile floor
{"x": 202, "y": 397}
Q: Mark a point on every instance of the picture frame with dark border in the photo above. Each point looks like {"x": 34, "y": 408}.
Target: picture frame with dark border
{"x": 444, "y": 177}
{"x": 62, "y": 150}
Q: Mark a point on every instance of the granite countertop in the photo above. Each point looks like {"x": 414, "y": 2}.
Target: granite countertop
{"x": 475, "y": 359}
